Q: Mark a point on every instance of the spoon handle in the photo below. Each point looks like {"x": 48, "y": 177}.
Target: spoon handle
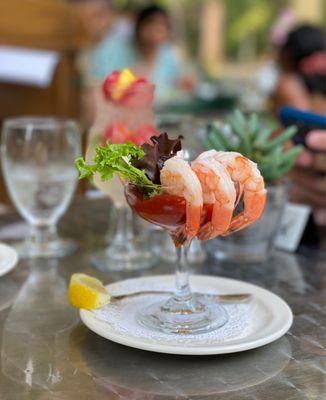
{"x": 223, "y": 298}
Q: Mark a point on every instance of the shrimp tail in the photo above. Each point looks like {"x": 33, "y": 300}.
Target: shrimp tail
{"x": 189, "y": 231}
{"x": 254, "y": 204}
{"x": 221, "y": 219}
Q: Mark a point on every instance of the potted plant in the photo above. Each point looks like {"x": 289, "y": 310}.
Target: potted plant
{"x": 252, "y": 138}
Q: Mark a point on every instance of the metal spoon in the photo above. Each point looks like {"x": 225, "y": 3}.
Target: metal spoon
{"x": 222, "y": 298}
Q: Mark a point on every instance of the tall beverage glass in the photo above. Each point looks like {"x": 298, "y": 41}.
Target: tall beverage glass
{"x": 127, "y": 251}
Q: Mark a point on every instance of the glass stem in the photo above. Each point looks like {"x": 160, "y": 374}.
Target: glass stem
{"x": 43, "y": 234}
{"x": 182, "y": 292}
{"x": 124, "y": 229}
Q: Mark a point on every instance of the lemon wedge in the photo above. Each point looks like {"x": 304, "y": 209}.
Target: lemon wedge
{"x": 87, "y": 292}
{"x": 125, "y": 79}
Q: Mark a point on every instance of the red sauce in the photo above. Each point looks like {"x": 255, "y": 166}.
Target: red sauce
{"x": 165, "y": 210}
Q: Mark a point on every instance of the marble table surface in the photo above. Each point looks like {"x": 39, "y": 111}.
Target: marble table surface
{"x": 47, "y": 353}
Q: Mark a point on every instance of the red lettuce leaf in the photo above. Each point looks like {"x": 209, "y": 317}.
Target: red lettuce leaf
{"x": 161, "y": 149}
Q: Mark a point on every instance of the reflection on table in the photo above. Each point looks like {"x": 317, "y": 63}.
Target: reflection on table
{"x": 47, "y": 352}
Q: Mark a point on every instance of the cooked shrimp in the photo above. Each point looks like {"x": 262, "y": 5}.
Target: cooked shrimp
{"x": 180, "y": 180}
{"x": 218, "y": 190}
{"x": 245, "y": 173}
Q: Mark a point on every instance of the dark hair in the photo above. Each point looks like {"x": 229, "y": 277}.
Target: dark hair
{"x": 145, "y": 14}
{"x": 301, "y": 43}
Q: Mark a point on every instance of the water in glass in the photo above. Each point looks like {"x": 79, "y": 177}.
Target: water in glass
{"x": 38, "y": 163}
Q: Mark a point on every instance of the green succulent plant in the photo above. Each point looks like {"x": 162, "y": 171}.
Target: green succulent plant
{"x": 250, "y": 137}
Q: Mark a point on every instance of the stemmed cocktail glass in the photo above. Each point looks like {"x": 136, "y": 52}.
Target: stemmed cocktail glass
{"x": 163, "y": 189}
{"x": 183, "y": 312}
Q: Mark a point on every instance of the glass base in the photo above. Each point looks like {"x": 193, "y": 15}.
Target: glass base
{"x": 116, "y": 258}
{"x": 54, "y": 248}
{"x": 188, "y": 317}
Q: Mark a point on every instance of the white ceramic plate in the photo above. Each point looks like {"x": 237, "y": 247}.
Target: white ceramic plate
{"x": 8, "y": 258}
{"x": 268, "y": 318}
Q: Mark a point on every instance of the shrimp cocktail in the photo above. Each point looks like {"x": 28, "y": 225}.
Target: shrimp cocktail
{"x": 188, "y": 200}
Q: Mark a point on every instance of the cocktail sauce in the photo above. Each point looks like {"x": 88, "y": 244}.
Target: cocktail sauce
{"x": 165, "y": 210}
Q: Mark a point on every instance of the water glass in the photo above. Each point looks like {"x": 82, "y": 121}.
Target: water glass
{"x": 38, "y": 165}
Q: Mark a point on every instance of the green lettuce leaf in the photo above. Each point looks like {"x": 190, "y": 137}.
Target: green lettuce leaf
{"x": 114, "y": 159}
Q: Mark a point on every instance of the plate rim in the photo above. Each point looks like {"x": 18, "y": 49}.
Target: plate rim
{"x": 11, "y": 264}
{"x": 97, "y": 326}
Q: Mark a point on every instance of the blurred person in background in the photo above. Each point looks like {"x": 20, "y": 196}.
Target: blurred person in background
{"x": 149, "y": 53}
{"x": 302, "y": 59}
{"x": 98, "y": 17}
{"x": 302, "y": 84}
{"x": 108, "y": 31}
{"x": 156, "y": 57}
{"x": 111, "y": 33}
{"x": 309, "y": 177}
